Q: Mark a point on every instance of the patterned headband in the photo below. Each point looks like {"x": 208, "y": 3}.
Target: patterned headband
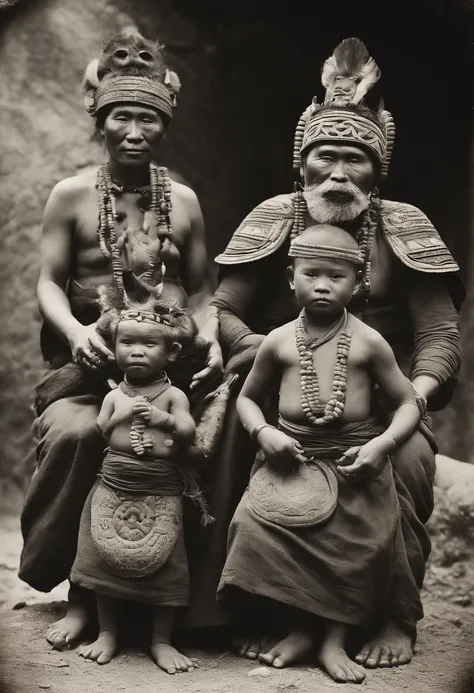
{"x": 310, "y": 251}
{"x": 151, "y": 317}
{"x": 134, "y": 89}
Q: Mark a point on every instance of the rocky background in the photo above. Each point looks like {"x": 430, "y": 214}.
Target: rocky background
{"x": 248, "y": 70}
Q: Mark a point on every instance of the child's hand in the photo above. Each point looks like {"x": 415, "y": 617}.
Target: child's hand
{"x": 366, "y": 461}
{"x": 281, "y": 452}
{"x": 142, "y": 408}
{"x": 148, "y": 442}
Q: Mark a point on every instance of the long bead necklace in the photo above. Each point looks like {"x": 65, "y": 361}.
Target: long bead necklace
{"x": 137, "y": 427}
{"x": 158, "y": 201}
{"x": 310, "y": 393}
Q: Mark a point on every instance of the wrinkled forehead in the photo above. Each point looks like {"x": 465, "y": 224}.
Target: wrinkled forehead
{"x": 134, "y": 110}
{"x": 338, "y": 150}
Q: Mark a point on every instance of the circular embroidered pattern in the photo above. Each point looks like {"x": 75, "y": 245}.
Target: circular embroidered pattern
{"x": 134, "y": 536}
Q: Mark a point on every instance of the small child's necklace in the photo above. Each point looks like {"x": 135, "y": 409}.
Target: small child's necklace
{"x": 137, "y": 427}
{"x": 163, "y": 382}
{"x": 310, "y": 394}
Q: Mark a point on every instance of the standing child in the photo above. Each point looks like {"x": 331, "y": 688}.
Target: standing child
{"x": 318, "y": 530}
{"x": 131, "y": 537}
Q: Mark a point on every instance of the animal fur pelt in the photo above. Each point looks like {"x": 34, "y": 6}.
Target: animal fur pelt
{"x": 352, "y": 63}
{"x": 128, "y": 53}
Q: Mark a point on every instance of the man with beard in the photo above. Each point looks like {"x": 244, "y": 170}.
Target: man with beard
{"x": 410, "y": 293}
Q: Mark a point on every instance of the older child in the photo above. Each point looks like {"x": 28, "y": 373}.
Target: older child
{"x": 131, "y": 538}
{"x": 318, "y": 530}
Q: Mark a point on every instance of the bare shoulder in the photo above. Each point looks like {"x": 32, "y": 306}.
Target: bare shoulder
{"x": 177, "y": 396}
{"x": 279, "y": 336}
{"x": 184, "y": 195}
{"x": 73, "y": 188}
{"x": 112, "y": 396}
{"x": 367, "y": 336}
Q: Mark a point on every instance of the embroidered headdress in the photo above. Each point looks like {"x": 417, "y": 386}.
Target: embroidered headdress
{"x": 348, "y": 75}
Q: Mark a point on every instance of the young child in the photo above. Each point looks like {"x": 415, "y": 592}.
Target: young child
{"x": 317, "y": 532}
{"x": 131, "y": 539}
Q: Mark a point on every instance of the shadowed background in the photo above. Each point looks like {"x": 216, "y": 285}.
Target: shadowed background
{"x": 248, "y": 71}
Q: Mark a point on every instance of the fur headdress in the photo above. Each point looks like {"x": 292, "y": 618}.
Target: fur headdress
{"x": 348, "y": 75}
{"x": 131, "y": 69}
{"x": 143, "y": 304}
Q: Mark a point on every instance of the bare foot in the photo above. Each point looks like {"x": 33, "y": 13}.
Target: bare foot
{"x": 102, "y": 650}
{"x": 391, "y": 648}
{"x": 339, "y": 666}
{"x": 251, "y": 647}
{"x": 61, "y": 635}
{"x": 170, "y": 660}
{"x": 294, "y": 647}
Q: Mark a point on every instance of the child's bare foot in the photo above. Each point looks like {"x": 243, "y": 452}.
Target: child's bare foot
{"x": 294, "y": 647}
{"x": 391, "y": 648}
{"x": 170, "y": 660}
{"x": 63, "y": 633}
{"x": 339, "y": 666}
{"x": 251, "y": 647}
{"x": 102, "y": 650}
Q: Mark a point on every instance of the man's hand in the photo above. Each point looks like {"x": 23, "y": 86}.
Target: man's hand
{"x": 214, "y": 367}
{"x": 88, "y": 349}
{"x": 366, "y": 461}
{"x": 140, "y": 249}
{"x": 281, "y": 452}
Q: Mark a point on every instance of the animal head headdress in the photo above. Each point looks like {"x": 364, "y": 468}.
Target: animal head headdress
{"x": 131, "y": 69}
{"x": 348, "y": 75}
{"x": 142, "y": 303}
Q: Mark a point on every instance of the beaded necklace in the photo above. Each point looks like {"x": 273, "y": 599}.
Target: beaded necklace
{"x": 158, "y": 200}
{"x": 310, "y": 394}
{"x": 137, "y": 427}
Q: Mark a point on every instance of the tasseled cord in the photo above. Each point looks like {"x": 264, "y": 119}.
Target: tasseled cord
{"x": 298, "y": 199}
{"x": 193, "y": 491}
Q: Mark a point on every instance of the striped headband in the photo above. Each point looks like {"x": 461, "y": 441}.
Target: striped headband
{"x": 134, "y": 89}
{"x": 310, "y": 251}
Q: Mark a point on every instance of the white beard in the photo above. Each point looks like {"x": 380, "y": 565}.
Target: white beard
{"x": 325, "y": 211}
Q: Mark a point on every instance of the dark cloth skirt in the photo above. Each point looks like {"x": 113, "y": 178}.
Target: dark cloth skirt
{"x": 168, "y": 586}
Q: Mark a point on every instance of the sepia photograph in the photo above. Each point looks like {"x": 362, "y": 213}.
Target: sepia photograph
{"x": 236, "y": 312}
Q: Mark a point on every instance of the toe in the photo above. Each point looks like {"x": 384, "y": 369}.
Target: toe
{"x": 385, "y": 657}
{"x": 279, "y": 662}
{"x": 374, "y": 657}
{"x": 363, "y": 655}
{"x": 104, "y": 658}
{"x": 268, "y": 657}
{"x": 404, "y": 658}
{"x": 340, "y": 675}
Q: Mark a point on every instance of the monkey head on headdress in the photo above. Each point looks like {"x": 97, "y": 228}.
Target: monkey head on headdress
{"x": 347, "y": 75}
{"x": 131, "y": 69}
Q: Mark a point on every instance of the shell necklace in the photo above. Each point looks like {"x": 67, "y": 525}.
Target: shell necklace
{"x": 310, "y": 394}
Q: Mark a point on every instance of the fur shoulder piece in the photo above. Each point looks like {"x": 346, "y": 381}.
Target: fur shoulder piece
{"x": 414, "y": 239}
{"x": 262, "y": 232}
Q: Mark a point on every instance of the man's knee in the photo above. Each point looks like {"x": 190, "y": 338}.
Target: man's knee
{"x": 415, "y": 459}
{"x": 68, "y": 420}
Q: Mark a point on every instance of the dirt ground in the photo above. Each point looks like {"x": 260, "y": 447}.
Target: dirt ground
{"x": 28, "y": 665}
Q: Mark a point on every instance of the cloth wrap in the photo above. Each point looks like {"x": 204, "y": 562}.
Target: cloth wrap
{"x": 130, "y": 535}
{"x": 340, "y": 569}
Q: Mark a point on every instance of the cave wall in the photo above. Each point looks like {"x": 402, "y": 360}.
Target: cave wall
{"x": 247, "y": 73}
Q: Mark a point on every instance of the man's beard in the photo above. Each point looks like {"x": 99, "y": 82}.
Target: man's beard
{"x": 324, "y": 210}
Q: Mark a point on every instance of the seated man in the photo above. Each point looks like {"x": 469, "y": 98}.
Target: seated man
{"x": 126, "y": 213}
{"x": 318, "y": 531}
{"x": 410, "y": 294}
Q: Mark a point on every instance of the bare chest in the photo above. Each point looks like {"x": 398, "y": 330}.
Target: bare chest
{"x": 87, "y": 254}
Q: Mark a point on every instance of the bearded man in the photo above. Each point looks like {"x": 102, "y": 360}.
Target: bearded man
{"x": 410, "y": 293}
